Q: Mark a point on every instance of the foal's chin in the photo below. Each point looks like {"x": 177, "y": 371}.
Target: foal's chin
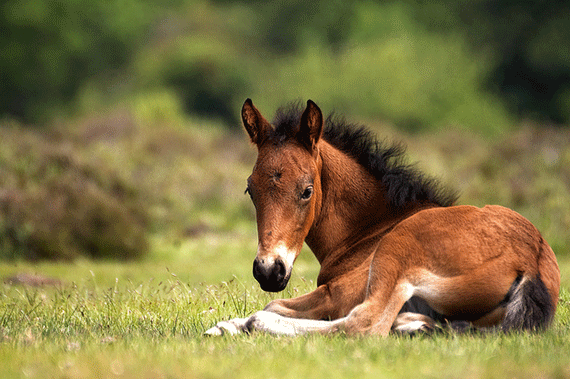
{"x": 274, "y": 286}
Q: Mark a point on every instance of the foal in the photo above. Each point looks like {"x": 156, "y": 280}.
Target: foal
{"x": 395, "y": 254}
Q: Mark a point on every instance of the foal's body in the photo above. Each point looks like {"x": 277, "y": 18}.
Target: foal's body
{"x": 394, "y": 253}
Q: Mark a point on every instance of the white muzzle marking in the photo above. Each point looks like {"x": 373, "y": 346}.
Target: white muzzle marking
{"x": 286, "y": 255}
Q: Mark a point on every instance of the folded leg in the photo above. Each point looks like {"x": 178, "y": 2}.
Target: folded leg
{"x": 412, "y": 323}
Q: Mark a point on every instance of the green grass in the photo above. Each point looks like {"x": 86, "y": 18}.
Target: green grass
{"x": 137, "y": 320}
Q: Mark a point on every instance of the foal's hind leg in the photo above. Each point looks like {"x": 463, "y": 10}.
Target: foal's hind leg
{"x": 412, "y": 323}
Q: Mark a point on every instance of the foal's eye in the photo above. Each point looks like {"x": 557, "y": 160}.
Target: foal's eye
{"x": 307, "y": 193}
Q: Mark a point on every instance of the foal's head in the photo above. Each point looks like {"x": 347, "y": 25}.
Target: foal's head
{"x": 285, "y": 189}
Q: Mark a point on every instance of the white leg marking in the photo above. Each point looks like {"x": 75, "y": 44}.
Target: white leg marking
{"x": 273, "y": 323}
{"x": 412, "y": 327}
{"x": 231, "y": 327}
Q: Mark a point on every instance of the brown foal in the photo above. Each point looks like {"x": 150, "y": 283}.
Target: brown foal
{"x": 395, "y": 254}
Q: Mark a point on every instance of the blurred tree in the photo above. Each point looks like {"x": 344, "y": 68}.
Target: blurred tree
{"x": 209, "y": 90}
{"x": 47, "y": 47}
{"x": 293, "y": 23}
{"x": 286, "y": 25}
{"x": 531, "y": 40}
{"x": 528, "y": 41}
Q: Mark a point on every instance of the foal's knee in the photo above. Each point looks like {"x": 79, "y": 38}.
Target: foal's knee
{"x": 276, "y": 306}
{"x": 365, "y": 318}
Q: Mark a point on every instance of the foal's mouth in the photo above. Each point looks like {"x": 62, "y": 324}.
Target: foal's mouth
{"x": 269, "y": 286}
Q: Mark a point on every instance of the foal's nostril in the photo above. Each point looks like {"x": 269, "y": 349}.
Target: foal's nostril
{"x": 257, "y": 269}
{"x": 279, "y": 270}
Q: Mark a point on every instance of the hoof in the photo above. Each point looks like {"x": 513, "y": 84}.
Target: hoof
{"x": 214, "y": 332}
{"x": 230, "y": 327}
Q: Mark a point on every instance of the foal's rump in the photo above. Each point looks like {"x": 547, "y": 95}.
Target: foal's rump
{"x": 489, "y": 266}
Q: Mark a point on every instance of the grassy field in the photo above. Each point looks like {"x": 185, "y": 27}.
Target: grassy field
{"x": 145, "y": 320}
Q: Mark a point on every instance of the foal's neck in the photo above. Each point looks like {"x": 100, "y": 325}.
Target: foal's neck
{"x": 353, "y": 207}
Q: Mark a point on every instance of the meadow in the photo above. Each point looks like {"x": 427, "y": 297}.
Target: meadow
{"x": 88, "y": 317}
{"x": 146, "y": 320}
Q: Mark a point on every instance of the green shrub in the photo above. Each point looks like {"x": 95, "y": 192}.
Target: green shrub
{"x": 105, "y": 185}
{"x": 53, "y": 205}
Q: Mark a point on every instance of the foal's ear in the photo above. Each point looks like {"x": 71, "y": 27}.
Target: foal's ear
{"x": 311, "y": 126}
{"x": 256, "y": 126}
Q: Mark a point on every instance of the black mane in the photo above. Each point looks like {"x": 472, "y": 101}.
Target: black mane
{"x": 404, "y": 183}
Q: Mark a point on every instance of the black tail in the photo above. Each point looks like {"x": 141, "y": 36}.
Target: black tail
{"x": 529, "y": 306}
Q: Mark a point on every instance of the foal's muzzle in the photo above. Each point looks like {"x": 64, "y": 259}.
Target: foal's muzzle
{"x": 272, "y": 276}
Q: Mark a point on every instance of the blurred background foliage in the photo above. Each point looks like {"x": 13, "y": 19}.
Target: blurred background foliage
{"x": 419, "y": 64}
{"x": 119, "y": 117}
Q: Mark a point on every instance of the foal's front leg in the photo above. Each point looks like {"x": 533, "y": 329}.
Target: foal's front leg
{"x": 369, "y": 317}
{"x": 273, "y": 323}
{"x": 329, "y": 301}
{"x": 313, "y": 306}
{"x": 375, "y": 315}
